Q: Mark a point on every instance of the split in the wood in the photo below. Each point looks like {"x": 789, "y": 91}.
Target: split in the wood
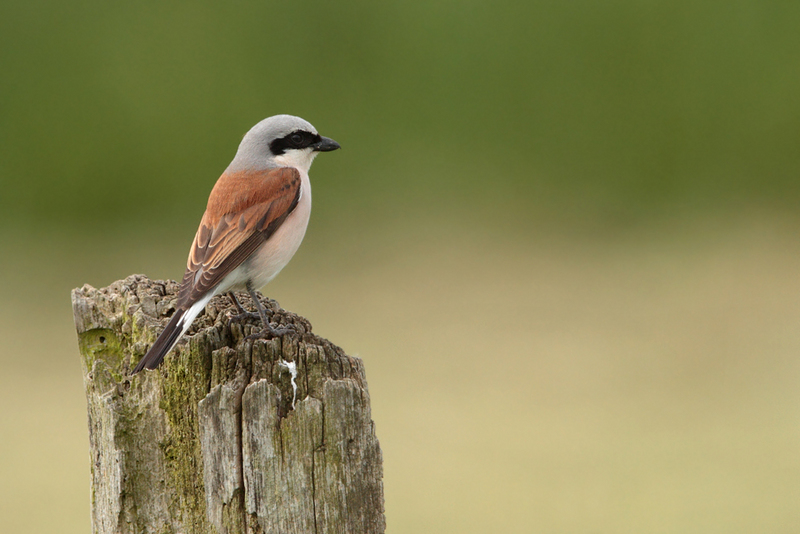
{"x": 211, "y": 443}
{"x": 293, "y": 370}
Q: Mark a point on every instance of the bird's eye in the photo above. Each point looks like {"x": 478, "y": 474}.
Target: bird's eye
{"x": 296, "y": 139}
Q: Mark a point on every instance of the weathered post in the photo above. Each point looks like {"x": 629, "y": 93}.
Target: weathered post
{"x": 229, "y": 435}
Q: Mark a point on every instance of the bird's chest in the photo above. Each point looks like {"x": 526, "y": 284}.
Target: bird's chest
{"x": 276, "y": 251}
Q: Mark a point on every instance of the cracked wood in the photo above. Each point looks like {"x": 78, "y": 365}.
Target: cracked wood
{"x": 210, "y": 442}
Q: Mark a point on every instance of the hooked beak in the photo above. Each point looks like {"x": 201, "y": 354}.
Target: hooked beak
{"x": 325, "y": 144}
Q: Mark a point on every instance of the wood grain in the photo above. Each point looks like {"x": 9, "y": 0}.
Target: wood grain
{"x": 211, "y": 442}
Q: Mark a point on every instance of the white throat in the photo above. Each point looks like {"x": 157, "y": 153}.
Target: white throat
{"x": 301, "y": 159}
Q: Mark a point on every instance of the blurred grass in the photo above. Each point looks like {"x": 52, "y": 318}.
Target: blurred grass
{"x": 562, "y": 235}
{"x": 645, "y": 383}
{"x": 557, "y": 384}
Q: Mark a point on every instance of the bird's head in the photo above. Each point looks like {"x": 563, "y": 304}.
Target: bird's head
{"x": 282, "y": 140}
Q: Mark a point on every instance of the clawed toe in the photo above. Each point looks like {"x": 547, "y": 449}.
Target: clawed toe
{"x": 241, "y": 317}
{"x": 270, "y": 331}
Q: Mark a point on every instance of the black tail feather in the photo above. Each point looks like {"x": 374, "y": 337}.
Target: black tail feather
{"x": 163, "y": 344}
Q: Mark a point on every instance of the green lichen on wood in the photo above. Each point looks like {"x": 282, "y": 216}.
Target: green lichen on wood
{"x": 102, "y": 344}
{"x": 184, "y": 383}
{"x": 213, "y": 440}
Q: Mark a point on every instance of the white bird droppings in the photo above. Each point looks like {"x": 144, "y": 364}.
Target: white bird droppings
{"x": 292, "y": 369}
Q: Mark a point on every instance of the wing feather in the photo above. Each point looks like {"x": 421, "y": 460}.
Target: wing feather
{"x": 244, "y": 210}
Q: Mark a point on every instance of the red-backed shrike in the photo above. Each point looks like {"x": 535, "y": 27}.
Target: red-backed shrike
{"x": 256, "y": 218}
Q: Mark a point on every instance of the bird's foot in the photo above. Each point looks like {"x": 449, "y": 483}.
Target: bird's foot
{"x": 242, "y": 317}
{"x": 270, "y": 331}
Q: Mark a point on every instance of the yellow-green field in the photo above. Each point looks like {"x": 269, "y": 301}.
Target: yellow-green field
{"x": 539, "y": 383}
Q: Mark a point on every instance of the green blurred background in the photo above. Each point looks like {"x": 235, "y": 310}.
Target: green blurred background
{"x": 561, "y": 235}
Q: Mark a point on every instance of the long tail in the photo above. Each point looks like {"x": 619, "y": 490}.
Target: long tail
{"x": 177, "y": 326}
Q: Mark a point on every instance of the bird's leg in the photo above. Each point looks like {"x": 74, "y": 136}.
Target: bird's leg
{"x": 243, "y": 314}
{"x": 235, "y": 301}
{"x": 260, "y": 307}
{"x": 268, "y": 328}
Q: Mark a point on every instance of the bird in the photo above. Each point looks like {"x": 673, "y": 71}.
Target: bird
{"x": 255, "y": 220}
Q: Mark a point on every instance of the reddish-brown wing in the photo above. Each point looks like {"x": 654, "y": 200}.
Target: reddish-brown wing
{"x": 244, "y": 210}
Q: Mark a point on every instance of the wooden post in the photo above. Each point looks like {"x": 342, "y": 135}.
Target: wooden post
{"x": 229, "y": 435}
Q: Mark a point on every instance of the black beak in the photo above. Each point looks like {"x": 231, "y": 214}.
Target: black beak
{"x": 325, "y": 144}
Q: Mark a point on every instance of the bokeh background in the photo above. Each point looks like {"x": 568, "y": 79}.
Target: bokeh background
{"x": 561, "y": 235}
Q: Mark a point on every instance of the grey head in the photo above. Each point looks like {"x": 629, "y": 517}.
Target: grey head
{"x": 281, "y": 140}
